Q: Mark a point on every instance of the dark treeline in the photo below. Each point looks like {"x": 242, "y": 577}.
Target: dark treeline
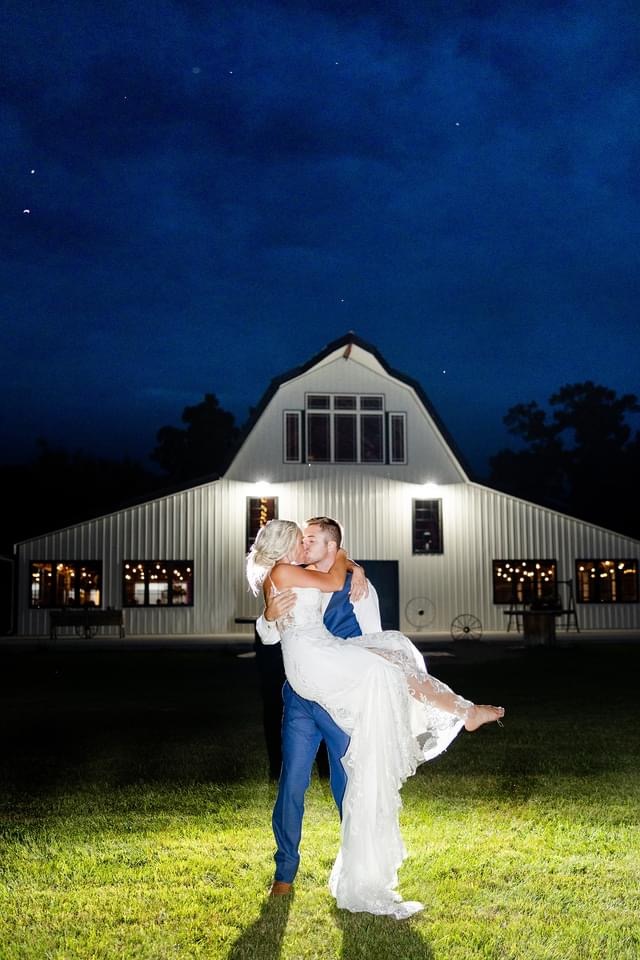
{"x": 580, "y": 457}
{"x": 59, "y": 488}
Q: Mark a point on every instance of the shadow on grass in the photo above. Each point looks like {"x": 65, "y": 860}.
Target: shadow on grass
{"x": 367, "y": 937}
{"x": 263, "y": 939}
{"x": 364, "y": 936}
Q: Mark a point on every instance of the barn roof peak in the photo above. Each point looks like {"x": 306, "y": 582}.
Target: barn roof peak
{"x": 346, "y": 343}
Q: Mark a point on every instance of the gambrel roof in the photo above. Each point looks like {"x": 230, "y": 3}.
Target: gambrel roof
{"x": 347, "y": 343}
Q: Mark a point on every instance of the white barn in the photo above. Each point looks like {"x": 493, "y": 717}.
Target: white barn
{"x": 345, "y": 436}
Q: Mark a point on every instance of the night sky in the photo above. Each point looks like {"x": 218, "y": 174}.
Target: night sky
{"x": 198, "y": 196}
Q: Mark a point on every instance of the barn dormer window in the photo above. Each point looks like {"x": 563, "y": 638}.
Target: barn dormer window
{"x": 344, "y": 428}
{"x": 292, "y": 436}
{"x": 397, "y": 438}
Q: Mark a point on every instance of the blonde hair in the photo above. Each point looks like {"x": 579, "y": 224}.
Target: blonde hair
{"x": 273, "y": 542}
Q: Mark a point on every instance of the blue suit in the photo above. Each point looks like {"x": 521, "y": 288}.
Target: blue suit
{"x": 304, "y": 725}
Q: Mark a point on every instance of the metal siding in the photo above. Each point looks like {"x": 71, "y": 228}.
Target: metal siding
{"x": 206, "y": 524}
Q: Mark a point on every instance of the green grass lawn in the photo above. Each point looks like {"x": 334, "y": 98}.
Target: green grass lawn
{"x": 135, "y": 817}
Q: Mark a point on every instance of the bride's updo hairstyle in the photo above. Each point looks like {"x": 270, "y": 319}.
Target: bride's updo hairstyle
{"x": 274, "y": 541}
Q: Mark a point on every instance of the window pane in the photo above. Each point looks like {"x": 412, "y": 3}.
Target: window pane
{"x": 157, "y": 583}
{"x": 65, "y": 589}
{"x": 134, "y": 585}
{"x": 318, "y": 437}
{"x": 524, "y": 581}
{"x": 348, "y": 428}
{"x": 427, "y": 526}
{"x": 292, "y": 437}
{"x": 371, "y": 439}
{"x": 42, "y": 581}
{"x": 259, "y": 511}
{"x": 89, "y": 577}
{"x": 318, "y": 401}
{"x": 397, "y": 452}
{"x": 371, "y": 403}
{"x": 345, "y": 438}
{"x": 65, "y": 584}
{"x": 627, "y": 579}
{"x": 607, "y": 581}
{"x": 181, "y": 585}
{"x": 344, "y": 403}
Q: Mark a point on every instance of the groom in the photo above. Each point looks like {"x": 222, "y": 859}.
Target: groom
{"x": 305, "y": 723}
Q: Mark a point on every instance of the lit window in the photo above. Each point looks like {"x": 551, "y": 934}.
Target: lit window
{"x": 607, "y": 581}
{"x": 427, "y": 526}
{"x": 524, "y": 581}
{"x": 259, "y": 511}
{"x": 157, "y": 583}
{"x": 65, "y": 583}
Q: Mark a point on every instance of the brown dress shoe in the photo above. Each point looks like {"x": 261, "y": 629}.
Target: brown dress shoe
{"x": 280, "y": 889}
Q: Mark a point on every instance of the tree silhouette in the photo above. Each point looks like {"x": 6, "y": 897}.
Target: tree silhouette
{"x": 203, "y": 448}
{"x": 582, "y": 458}
{"x": 59, "y": 488}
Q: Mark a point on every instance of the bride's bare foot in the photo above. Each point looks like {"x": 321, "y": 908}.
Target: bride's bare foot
{"x": 481, "y": 713}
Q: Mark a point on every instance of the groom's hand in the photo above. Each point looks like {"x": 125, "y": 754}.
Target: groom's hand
{"x": 280, "y": 605}
{"x": 359, "y": 586}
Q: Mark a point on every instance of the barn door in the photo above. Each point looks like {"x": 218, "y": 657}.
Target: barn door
{"x": 383, "y": 574}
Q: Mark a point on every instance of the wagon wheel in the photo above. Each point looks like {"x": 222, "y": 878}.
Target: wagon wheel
{"x": 420, "y": 612}
{"x": 466, "y": 627}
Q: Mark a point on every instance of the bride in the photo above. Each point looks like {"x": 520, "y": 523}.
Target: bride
{"x": 377, "y": 689}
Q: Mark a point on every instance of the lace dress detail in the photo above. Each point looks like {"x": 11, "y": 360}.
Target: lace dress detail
{"x": 378, "y": 690}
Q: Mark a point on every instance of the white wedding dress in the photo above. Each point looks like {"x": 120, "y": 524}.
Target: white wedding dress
{"x": 365, "y": 685}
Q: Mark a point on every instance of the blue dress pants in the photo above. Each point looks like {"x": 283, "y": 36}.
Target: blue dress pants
{"x": 304, "y": 725}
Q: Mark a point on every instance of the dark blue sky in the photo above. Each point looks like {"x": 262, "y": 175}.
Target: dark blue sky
{"x": 216, "y": 190}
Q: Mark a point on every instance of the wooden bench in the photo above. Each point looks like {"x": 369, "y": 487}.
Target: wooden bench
{"x": 86, "y": 621}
